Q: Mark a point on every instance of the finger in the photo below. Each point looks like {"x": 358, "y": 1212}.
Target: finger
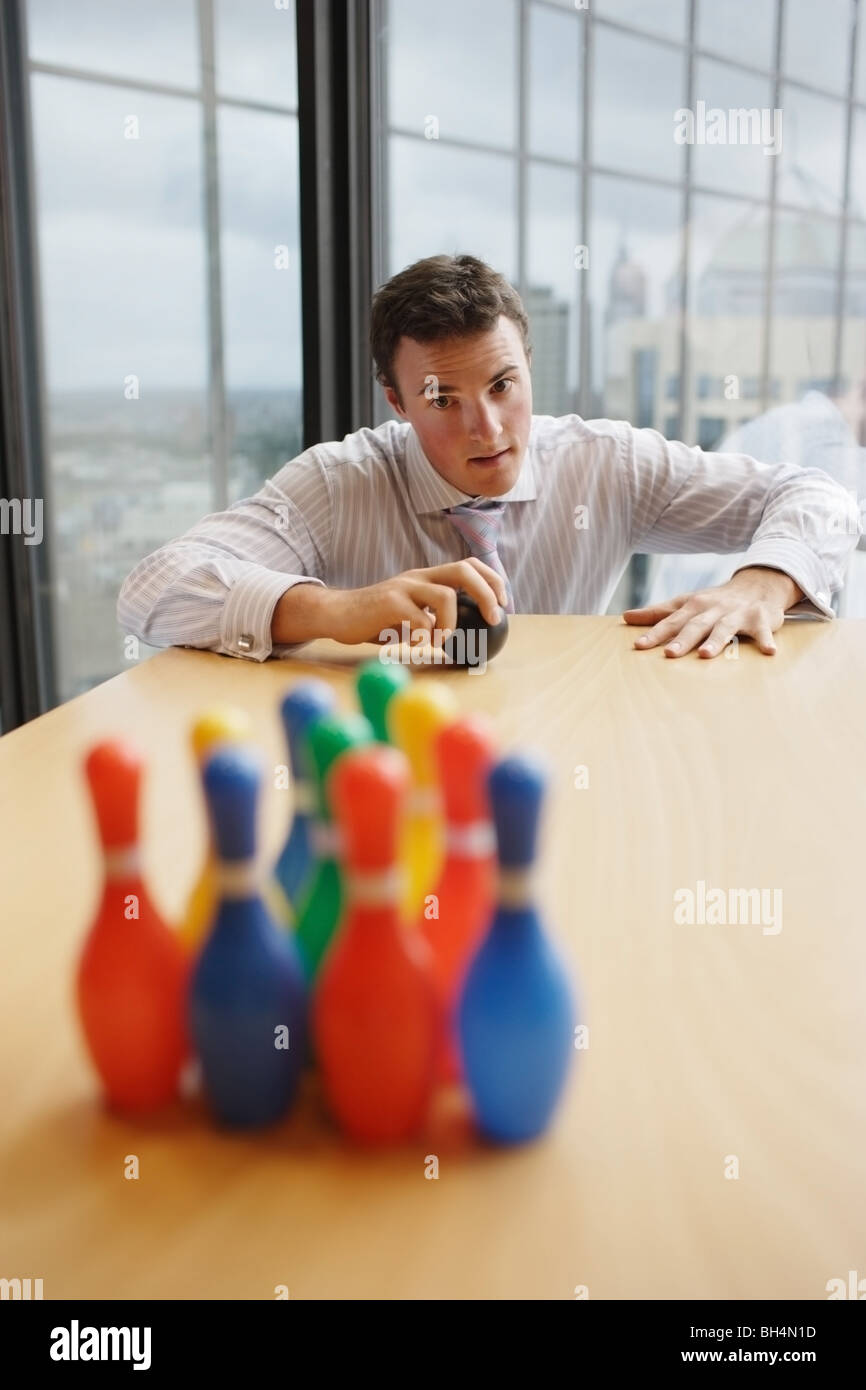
{"x": 690, "y": 634}
{"x": 667, "y": 628}
{"x": 411, "y": 613}
{"x": 719, "y": 638}
{"x": 476, "y": 579}
{"x": 764, "y": 638}
{"x": 654, "y": 611}
{"x": 442, "y": 602}
{"x": 496, "y": 582}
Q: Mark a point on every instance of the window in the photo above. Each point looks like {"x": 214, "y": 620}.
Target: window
{"x": 166, "y": 164}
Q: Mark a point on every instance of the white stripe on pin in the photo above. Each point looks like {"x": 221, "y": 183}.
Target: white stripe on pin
{"x": 238, "y": 880}
{"x": 326, "y": 839}
{"x": 476, "y": 840}
{"x": 382, "y": 888}
{"x": 123, "y": 863}
{"x": 304, "y": 794}
{"x": 514, "y": 887}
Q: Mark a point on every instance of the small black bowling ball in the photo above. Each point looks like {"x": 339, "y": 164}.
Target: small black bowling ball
{"x": 474, "y": 641}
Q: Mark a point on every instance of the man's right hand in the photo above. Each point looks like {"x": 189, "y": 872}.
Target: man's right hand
{"x": 367, "y": 614}
{"x": 364, "y": 615}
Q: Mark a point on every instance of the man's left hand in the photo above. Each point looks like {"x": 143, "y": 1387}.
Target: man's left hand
{"x": 751, "y": 604}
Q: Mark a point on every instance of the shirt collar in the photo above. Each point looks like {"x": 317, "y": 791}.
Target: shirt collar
{"x": 430, "y": 492}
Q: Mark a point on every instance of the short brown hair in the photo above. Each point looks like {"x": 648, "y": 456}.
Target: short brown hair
{"x": 440, "y": 297}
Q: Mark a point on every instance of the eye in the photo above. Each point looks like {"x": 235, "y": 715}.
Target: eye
{"x": 505, "y": 381}
{"x": 436, "y": 402}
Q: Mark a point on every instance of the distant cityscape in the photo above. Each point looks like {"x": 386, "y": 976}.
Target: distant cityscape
{"x": 128, "y": 476}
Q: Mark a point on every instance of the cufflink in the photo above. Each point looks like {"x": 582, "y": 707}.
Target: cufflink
{"x": 245, "y": 642}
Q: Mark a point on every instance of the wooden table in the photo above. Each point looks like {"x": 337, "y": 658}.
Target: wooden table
{"x": 709, "y": 1044}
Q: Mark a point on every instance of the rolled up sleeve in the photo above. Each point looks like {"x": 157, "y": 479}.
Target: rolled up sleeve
{"x": 798, "y": 520}
{"x": 216, "y": 586}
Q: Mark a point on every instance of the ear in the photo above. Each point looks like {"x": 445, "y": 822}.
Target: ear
{"x": 394, "y": 401}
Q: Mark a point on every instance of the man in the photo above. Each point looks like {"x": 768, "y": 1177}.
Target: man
{"x": 351, "y": 539}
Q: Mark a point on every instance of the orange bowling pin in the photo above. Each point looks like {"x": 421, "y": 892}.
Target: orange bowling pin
{"x": 376, "y": 1018}
{"x": 454, "y": 924}
{"x": 132, "y": 976}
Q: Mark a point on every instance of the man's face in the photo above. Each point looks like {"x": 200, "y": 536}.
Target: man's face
{"x": 467, "y": 399}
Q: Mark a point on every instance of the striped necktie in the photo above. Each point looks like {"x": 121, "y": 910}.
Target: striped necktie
{"x": 479, "y": 526}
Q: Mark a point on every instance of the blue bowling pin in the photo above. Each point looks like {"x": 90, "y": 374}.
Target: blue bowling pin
{"x": 306, "y": 702}
{"x": 516, "y": 1015}
{"x": 248, "y": 996}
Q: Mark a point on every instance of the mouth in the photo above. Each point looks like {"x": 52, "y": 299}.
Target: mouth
{"x": 490, "y": 460}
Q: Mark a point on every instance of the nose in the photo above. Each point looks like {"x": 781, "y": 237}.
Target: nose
{"x": 484, "y": 426}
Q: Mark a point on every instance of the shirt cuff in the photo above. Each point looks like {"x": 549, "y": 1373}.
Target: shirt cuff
{"x": 800, "y": 564}
{"x": 245, "y": 624}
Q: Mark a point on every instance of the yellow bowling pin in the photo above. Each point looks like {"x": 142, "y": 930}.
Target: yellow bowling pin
{"x": 222, "y": 724}
{"x": 415, "y": 715}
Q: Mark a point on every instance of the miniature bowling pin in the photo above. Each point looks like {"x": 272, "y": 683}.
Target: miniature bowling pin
{"x": 377, "y": 683}
{"x": 516, "y": 1015}
{"x": 247, "y": 1006}
{"x": 133, "y": 972}
{"x": 415, "y": 716}
{"x": 460, "y": 913}
{"x": 376, "y": 1019}
{"x": 307, "y": 701}
{"x": 320, "y": 911}
{"x": 219, "y": 725}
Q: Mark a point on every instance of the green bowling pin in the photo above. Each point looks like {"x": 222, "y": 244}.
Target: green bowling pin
{"x": 377, "y": 683}
{"x": 320, "y": 911}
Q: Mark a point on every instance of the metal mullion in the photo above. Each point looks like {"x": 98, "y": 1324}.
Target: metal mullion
{"x": 27, "y": 659}
{"x": 770, "y": 290}
{"x": 584, "y": 360}
{"x": 334, "y": 162}
{"x": 685, "y": 363}
{"x": 522, "y": 15}
{"x": 143, "y": 84}
{"x": 846, "y": 198}
{"x": 213, "y": 243}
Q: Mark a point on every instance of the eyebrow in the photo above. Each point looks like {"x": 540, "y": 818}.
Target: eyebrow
{"x": 446, "y": 390}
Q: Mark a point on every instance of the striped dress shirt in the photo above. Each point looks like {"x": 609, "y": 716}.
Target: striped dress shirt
{"x": 588, "y": 495}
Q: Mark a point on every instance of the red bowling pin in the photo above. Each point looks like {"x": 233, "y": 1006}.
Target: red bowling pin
{"x": 376, "y": 1019}
{"x": 455, "y": 923}
{"x": 132, "y": 976}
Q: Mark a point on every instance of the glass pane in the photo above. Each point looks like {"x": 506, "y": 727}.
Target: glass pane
{"x": 816, "y": 42}
{"x": 635, "y": 248}
{"x": 638, "y": 87}
{"x": 157, "y": 41}
{"x": 451, "y": 201}
{"x": 552, "y": 294}
{"x": 555, "y": 83}
{"x": 262, "y": 293}
{"x": 122, "y": 267}
{"x": 452, "y": 70}
{"x": 807, "y": 255}
{"x": 812, "y": 161}
{"x": 857, "y": 188}
{"x": 666, "y": 17}
{"x": 256, "y": 51}
{"x": 861, "y": 57}
{"x": 740, "y": 164}
{"x": 722, "y": 29}
{"x": 727, "y": 285}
